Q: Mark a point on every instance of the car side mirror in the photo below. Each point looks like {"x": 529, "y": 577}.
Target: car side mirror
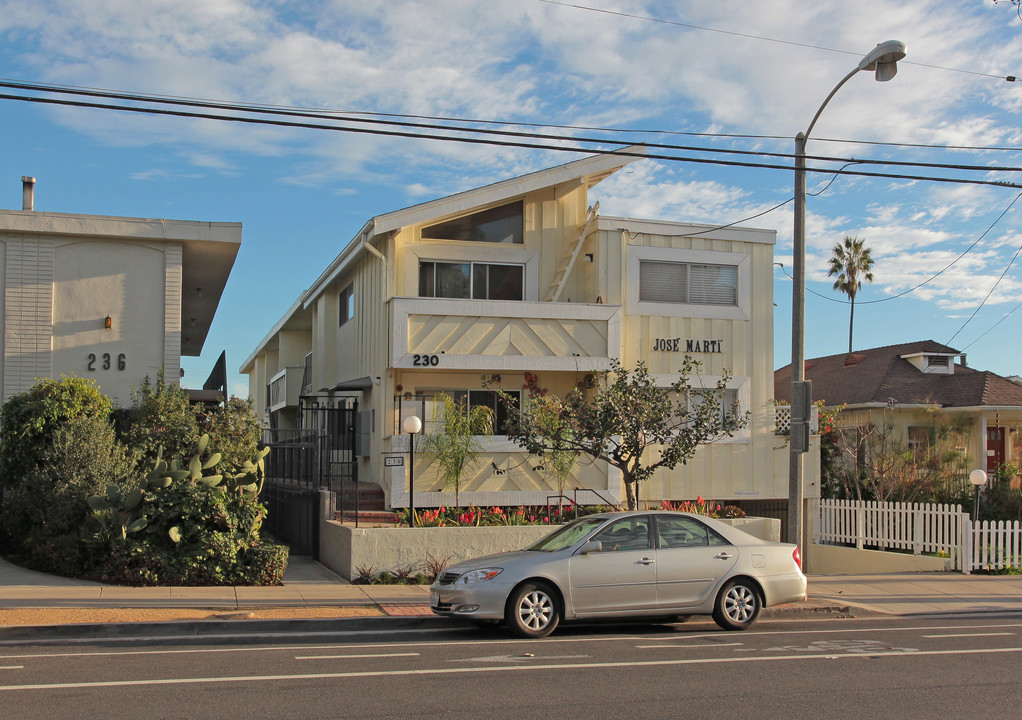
{"x": 590, "y": 547}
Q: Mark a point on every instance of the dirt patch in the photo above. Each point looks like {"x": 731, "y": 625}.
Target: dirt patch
{"x": 66, "y": 616}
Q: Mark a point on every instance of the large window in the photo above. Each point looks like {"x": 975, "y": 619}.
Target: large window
{"x": 478, "y": 281}
{"x": 497, "y": 225}
{"x": 687, "y": 283}
{"x": 479, "y": 398}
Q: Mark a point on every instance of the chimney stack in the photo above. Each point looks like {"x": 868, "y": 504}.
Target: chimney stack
{"x": 27, "y": 193}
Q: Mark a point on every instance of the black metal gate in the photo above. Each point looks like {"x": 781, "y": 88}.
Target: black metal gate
{"x": 318, "y": 455}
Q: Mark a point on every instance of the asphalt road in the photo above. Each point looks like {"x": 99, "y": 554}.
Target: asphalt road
{"x": 873, "y": 668}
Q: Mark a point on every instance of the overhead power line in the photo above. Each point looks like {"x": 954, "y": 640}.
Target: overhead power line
{"x": 574, "y": 142}
{"x": 366, "y": 114}
{"x": 337, "y": 115}
{"x": 762, "y": 38}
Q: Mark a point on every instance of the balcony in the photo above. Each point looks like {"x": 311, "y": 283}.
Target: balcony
{"x": 285, "y": 388}
{"x": 500, "y": 335}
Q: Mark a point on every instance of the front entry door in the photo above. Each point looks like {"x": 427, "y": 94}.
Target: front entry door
{"x": 995, "y": 450}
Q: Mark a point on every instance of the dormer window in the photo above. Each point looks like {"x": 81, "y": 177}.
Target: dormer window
{"x": 933, "y": 363}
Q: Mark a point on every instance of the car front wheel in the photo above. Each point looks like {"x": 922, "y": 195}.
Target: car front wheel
{"x": 737, "y": 605}
{"x": 532, "y": 611}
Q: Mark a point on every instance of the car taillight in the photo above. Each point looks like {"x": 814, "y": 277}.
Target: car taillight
{"x": 796, "y": 557}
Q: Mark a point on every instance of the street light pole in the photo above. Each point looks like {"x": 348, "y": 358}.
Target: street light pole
{"x": 883, "y": 60}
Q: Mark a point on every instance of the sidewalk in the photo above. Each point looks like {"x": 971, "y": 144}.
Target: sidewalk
{"x": 312, "y": 589}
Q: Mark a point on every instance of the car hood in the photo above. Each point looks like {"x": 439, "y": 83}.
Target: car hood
{"x": 499, "y": 560}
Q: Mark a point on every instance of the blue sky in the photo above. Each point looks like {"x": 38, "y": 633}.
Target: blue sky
{"x": 753, "y": 69}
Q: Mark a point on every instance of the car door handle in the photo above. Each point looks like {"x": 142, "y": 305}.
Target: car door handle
{"x": 645, "y": 561}
{"x": 723, "y": 556}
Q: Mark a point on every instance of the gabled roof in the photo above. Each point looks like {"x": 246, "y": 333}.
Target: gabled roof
{"x": 879, "y": 375}
{"x": 589, "y": 170}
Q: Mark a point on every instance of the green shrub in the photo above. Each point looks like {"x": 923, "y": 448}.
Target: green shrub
{"x": 185, "y": 524}
{"x": 234, "y": 431}
{"x": 28, "y": 421}
{"x": 46, "y": 515}
{"x": 162, "y": 416}
{"x": 263, "y": 564}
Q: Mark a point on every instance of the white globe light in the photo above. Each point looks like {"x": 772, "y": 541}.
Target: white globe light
{"x": 412, "y": 425}
{"x": 978, "y": 477}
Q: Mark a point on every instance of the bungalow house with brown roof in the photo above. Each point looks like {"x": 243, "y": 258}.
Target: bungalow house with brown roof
{"x": 914, "y": 387}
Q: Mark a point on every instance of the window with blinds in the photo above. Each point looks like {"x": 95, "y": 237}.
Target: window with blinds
{"x": 687, "y": 283}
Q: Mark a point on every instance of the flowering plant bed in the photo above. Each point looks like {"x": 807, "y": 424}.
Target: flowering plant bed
{"x": 546, "y": 515}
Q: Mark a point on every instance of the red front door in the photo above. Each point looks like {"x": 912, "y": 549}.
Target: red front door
{"x": 995, "y": 449}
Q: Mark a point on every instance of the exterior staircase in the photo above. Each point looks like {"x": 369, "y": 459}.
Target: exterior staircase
{"x": 372, "y": 509}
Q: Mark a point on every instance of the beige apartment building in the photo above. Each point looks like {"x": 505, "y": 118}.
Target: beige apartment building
{"x": 113, "y": 299}
{"x": 525, "y": 282}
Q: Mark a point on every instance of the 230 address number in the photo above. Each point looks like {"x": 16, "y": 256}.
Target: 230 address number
{"x": 425, "y": 360}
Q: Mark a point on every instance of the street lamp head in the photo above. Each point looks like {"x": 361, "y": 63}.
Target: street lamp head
{"x": 884, "y": 59}
{"x": 978, "y": 477}
{"x": 412, "y": 424}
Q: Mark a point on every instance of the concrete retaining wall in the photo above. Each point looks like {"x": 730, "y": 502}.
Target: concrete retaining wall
{"x": 345, "y": 548}
{"x": 836, "y": 560}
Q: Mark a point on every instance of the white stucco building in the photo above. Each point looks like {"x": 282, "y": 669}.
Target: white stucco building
{"x": 114, "y": 299}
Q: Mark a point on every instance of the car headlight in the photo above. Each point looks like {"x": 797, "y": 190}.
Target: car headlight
{"x": 474, "y": 576}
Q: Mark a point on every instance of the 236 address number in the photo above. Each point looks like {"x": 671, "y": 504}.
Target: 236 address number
{"x": 106, "y": 362}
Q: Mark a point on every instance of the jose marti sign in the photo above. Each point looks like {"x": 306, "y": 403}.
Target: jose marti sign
{"x": 689, "y": 346}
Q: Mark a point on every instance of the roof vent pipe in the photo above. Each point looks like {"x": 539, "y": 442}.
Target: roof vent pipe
{"x": 27, "y": 193}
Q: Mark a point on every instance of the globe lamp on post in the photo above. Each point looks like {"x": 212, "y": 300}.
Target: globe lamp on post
{"x": 978, "y": 478}
{"x": 412, "y": 425}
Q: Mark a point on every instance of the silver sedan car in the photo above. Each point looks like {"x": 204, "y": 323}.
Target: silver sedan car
{"x": 625, "y": 564}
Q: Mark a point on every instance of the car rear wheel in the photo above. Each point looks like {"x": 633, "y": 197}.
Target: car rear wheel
{"x": 532, "y": 611}
{"x": 737, "y": 605}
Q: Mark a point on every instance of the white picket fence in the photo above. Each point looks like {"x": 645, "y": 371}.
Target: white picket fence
{"x": 922, "y": 528}
{"x": 994, "y": 546}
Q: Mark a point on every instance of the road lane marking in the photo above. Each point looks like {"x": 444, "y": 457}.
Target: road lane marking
{"x": 961, "y": 635}
{"x": 341, "y": 646}
{"x": 518, "y": 658}
{"x": 360, "y": 655}
{"x": 489, "y": 669}
{"x": 686, "y": 647}
{"x": 451, "y": 643}
{"x": 12, "y": 667}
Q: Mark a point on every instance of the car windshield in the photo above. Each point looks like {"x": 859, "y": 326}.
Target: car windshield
{"x": 568, "y": 535}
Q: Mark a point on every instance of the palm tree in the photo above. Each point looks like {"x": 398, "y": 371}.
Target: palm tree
{"x": 852, "y": 262}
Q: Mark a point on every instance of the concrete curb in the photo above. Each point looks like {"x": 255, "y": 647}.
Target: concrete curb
{"x": 256, "y": 631}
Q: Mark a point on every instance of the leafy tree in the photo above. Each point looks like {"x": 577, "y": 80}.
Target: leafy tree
{"x": 455, "y": 445}
{"x": 630, "y": 422}
{"x": 852, "y": 262}
{"x": 879, "y": 465}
